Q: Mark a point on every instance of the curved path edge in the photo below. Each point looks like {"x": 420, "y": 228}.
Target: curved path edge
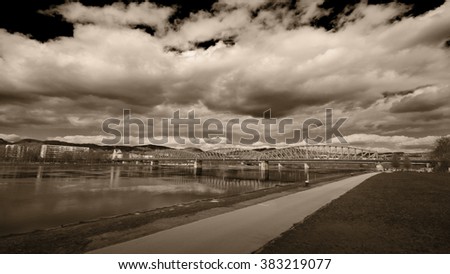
{"x": 241, "y": 231}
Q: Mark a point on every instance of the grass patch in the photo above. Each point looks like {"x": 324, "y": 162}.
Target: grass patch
{"x": 400, "y": 212}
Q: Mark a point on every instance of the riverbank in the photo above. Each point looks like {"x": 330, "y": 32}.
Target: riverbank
{"x": 89, "y": 235}
{"x": 401, "y": 212}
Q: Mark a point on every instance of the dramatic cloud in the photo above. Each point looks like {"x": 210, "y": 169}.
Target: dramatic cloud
{"x": 310, "y": 10}
{"x": 393, "y": 143}
{"x": 260, "y": 55}
{"x": 422, "y": 100}
{"x": 116, "y": 14}
{"x": 239, "y": 4}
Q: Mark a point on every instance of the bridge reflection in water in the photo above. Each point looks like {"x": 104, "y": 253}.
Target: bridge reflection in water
{"x": 225, "y": 178}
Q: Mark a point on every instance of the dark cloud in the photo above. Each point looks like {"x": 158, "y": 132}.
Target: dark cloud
{"x": 234, "y": 57}
{"x": 26, "y": 16}
{"x": 417, "y": 104}
{"x": 281, "y": 102}
{"x": 14, "y": 97}
{"x": 19, "y": 117}
{"x": 387, "y": 94}
{"x": 422, "y": 100}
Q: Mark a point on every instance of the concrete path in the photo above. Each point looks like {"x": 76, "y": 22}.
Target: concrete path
{"x": 240, "y": 231}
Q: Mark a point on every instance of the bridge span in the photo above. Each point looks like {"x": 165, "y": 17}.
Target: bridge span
{"x": 304, "y": 153}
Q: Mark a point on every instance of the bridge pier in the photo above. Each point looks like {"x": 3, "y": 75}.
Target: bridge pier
{"x": 264, "y": 175}
{"x": 306, "y": 166}
{"x": 198, "y": 167}
{"x": 264, "y": 165}
{"x": 198, "y": 164}
{"x": 154, "y": 163}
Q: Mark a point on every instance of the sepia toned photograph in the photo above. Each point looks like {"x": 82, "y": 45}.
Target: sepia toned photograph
{"x": 225, "y": 127}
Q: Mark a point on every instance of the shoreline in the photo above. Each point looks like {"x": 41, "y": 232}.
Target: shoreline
{"x": 88, "y": 235}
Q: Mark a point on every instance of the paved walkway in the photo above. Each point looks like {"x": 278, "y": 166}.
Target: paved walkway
{"x": 240, "y": 231}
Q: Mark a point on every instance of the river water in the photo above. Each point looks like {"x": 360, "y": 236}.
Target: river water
{"x": 35, "y": 197}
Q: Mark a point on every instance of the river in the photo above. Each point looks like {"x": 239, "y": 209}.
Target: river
{"x": 42, "y": 196}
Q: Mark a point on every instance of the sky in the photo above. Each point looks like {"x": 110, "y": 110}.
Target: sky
{"x": 65, "y": 67}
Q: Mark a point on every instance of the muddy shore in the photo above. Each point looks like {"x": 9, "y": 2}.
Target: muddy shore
{"x": 89, "y": 235}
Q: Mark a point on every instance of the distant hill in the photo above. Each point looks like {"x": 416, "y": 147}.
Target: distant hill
{"x": 61, "y": 143}
{"x": 153, "y": 147}
{"x": 3, "y": 142}
{"x": 193, "y": 149}
{"x": 26, "y": 141}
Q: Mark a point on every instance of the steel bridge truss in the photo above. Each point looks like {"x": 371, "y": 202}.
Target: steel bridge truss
{"x": 305, "y": 152}
{"x": 321, "y": 152}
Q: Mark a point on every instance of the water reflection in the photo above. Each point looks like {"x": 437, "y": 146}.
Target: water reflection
{"x": 33, "y": 197}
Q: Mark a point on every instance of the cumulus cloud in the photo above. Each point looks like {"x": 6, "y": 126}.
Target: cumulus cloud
{"x": 277, "y": 61}
{"x": 393, "y": 143}
{"x": 204, "y": 26}
{"x": 239, "y": 4}
{"x": 10, "y": 137}
{"x": 145, "y": 13}
{"x": 422, "y": 100}
{"x": 310, "y": 10}
{"x": 369, "y": 141}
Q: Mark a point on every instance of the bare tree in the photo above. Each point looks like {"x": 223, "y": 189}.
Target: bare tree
{"x": 406, "y": 163}
{"x": 2, "y": 152}
{"x": 441, "y": 153}
{"x": 395, "y": 163}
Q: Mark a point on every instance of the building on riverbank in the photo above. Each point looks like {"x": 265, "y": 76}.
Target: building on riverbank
{"x": 57, "y": 151}
{"x": 117, "y": 154}
{"x": 15, "y": 151}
